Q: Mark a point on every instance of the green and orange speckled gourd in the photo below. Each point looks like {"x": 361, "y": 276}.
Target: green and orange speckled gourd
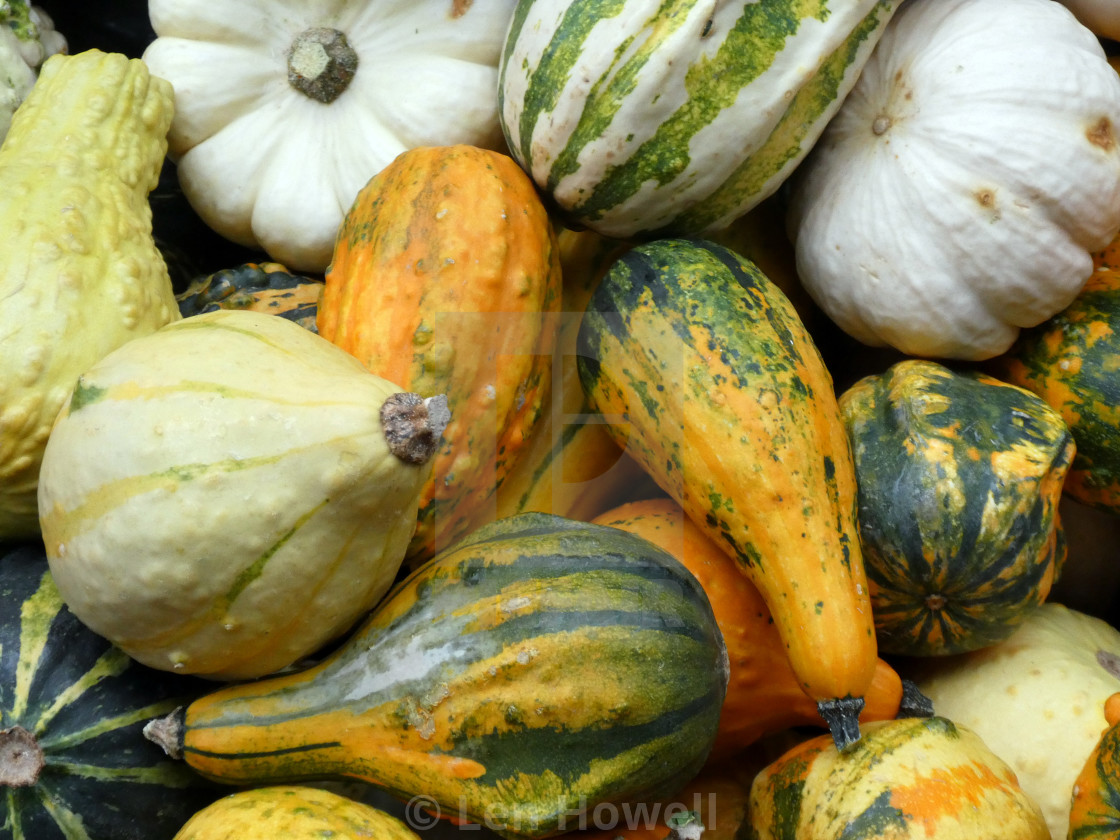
{"x": 535, "y": 669}
{"x": 1070, "y": 360}
{"x": 708, "y": 377}
{"x": 959, "y": 479}
{"x": 907, "y": 779}
{"x": 263, "y": 287}
{"x": 1095, "y": 804}
{"x": 446, "y": 280}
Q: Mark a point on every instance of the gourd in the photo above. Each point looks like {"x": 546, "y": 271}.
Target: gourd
{"x": 1037, "y": 699}
{"x": 262, "y": 287}
{"x": 73, "y": 759}
{"x": 1100, "y": 16}
{"x": 446, "y": 279}
{"x": 27, "y": 39}
{"x": 958, "y": 193}
{"x": 539, "y": 667}
{"x": 708, "y": 378}
{"x": 906, "y": 778}
{"x": 1095, "y": 804}
{"x": 959, "y": 477}
{"x": 1068, "y": 360}
{"x": 294, "y": 812}
{"x": 79, "y": 272}
{"x": 570, "y": 465}
{"x": 763, "y": 694}
{"x": 298, "y": 105}
{"x": 226, "y": 495}
{"x": 644, "y": 119}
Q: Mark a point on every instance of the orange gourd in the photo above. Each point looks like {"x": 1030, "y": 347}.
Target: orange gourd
{"x": 446, "y": 279}
{"x": 763, "y": 693}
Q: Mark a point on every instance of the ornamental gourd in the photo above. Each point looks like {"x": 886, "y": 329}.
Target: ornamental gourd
{"x": 293, "y": 812}
{"x": 1068, "y": 360}
{"x": 226, "y": 495}
{"x": 763, "y": 694}
{"x": 641, "y": 119}
{"x": 705, "y": 373}
{"x": 285, "y": 109}
{"x": 27, "y": 39}
{"x": 79, "y": 271}
{"x": 1038, "y": 699}
{"x": 958, "y": 193}
{"x": 536, "y": 669}
{"x": 959, "y": 479}
{"x": 261, "y": 287}
{"x": 446, "y": 279}
{"x": 1095, "y": 805}
{"x": 907, "y": 779}
{"x": 73, "y": 759}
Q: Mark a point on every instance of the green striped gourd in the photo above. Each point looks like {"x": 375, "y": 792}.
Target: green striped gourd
{"x": 229, "y": 493}
{"x": 708, "y": 378}
{"x": 74, "y": 764}
{"x": 643, "y": 118}
{"x": 537, "y": 668}
{"x": 907, "y": 779}
{"x": 959, "y": 477}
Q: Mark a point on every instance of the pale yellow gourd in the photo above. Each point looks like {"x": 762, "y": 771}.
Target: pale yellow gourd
{"x": 79, "y": 271}
{"x": 226, "y": 495}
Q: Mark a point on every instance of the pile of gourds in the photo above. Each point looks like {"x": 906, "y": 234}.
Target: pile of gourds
{"x": 593, "y": 430}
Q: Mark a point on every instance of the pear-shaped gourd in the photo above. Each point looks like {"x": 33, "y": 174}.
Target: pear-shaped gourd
{"x": 227, "y": 494}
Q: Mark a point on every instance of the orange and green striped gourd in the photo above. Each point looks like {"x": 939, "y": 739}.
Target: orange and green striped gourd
{"x": 907, "y": 779}
{"x": 1095, "y": 804}
{"x": 536, "y": 669}
{"x": 959, "y": 477}
{"x": 446, "y": 280}
{"x": 707, "y": 376}
{"x": 1070, "y": 360}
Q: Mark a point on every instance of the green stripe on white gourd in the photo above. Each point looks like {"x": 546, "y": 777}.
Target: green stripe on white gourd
{"x": 71, "y": 701}
{"x": 675, "y": 118}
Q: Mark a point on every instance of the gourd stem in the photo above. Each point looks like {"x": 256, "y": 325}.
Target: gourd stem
{"x": 413, "y": 425}
{"x": 914, "y": 703}
{"x": 21, "y": 758}
{"x": 321, "y": 64}
{"x": 167, "y": 733}
{"x": 842, "y": 716}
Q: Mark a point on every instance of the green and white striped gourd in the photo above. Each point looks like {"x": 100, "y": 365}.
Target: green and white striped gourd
{"x": 639, "y": 118}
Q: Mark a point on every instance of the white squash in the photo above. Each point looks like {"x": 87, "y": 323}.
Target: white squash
{"x": 223, "y": 496}
{"x": 285, "y": 108}
{"x": 27, "y": 39}
{"x": 1037, "y": 699}
{"x": 1101, "y": 16}
{"x": 958, "y": 192}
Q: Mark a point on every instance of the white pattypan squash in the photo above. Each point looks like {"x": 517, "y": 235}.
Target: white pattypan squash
{"x": 27, "y": 39}
{"x": 959, "y": 191}
{"x": 286, "y": 108}
{"x": 1101, "y": 16}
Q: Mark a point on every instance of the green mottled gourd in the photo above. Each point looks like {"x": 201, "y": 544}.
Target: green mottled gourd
{"x": 709, "y": 379}
{"x": 537, "y": 668}
{"x": 959, "y": 477}
{"x": 73, "y": 760}
{"x": 79, "y": 271}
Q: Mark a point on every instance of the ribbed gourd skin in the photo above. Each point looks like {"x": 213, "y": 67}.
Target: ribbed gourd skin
{"x": 540, "y": 666}
{"x": 708, "y": 378}
{"x": 647, "y": 119}
{"x": 959, "y": 476}
{"x": 86, "y": 703}
{"x": 1070, "y": 360}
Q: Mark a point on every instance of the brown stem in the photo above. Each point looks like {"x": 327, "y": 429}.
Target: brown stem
{"x": 21, "y": 758}
{"x": 413, "y": 425}
{"x": 321, "y": 64}
{"x": 167, "y": 733}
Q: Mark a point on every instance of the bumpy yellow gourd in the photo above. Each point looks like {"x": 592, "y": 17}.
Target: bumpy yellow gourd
{"x": 79, "y": 271}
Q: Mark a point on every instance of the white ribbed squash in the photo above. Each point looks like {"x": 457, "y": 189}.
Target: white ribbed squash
{"x": 222, "y": 496}
{"x": 958, "y": 192}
